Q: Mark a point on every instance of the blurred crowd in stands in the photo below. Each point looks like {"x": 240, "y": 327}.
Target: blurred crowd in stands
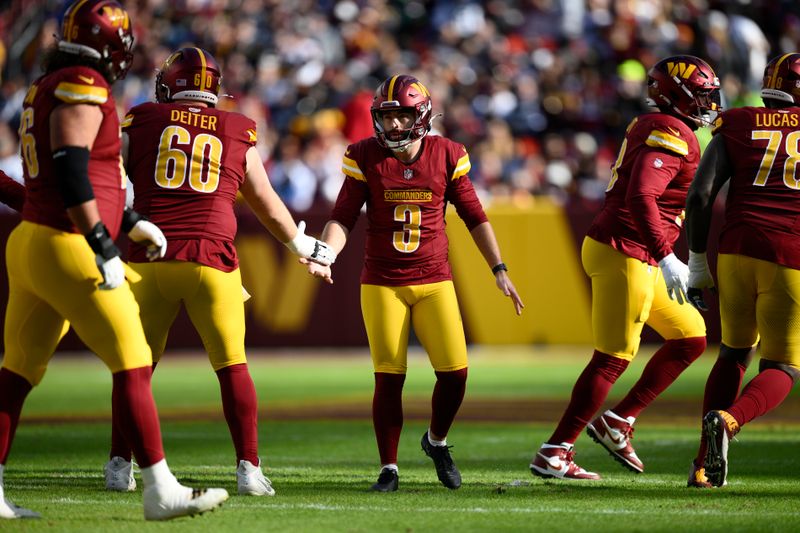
{"x": 539, "y": 91}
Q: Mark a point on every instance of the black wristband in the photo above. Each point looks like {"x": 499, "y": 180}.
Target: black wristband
{"x": 101, "y": 243}
{"x": 71, "y": 165}
{"x": 129, "y": 219}
{"x": 498, "y": 267}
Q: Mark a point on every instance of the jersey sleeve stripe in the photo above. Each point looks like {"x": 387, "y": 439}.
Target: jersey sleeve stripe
{"x": 350, "y": 168}
{"x": 462, "y": 167}
{"x": 659, "y": 139}
{"x": 127, "y": 121}
{"x": 75, "y": 93}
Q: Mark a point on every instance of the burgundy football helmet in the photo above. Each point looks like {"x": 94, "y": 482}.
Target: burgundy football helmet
{"x": 782, "y": 79}
{"x": 686, "y": 86}
{"x": 402, "y": 92}
{"x": 100, "y": 29}
{"x": 189, "y": 74}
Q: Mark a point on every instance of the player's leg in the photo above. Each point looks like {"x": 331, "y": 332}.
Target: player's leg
{"x": 777, "y": 315}
{"x": 215, "y": 306}
{"x": 387, "y": 319}
{"x": 157, "y": 311}
{"x": 684, "y": 331}
{"x": 31, "y": 333}
{"x": 621, "y": 296}
{"x": 107, "y": 322}
{"x": 437, "y": 323}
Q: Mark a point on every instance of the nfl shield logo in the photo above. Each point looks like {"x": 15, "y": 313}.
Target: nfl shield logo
{"x": 408, "y": 173}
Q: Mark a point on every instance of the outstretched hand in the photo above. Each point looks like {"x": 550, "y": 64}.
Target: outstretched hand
{"x": 504, "y": 284}
{"x": 317, "y": 270}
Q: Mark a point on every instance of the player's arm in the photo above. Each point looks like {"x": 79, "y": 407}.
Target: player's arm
{"x": 461, "y": 194}
{"x": 274, "y": 215}
{"x": 486, "y": 241}
{"x": 137, "y": 226}
{"x": 12, "y": 193}
{"x": 652, "y": 172}
{"x": 712, "y": 173}
{"x": 73, "y": 129}
{"x": 352, "y": 195}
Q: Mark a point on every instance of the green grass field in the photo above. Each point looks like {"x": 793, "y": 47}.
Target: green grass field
{"x": 320, "y": 453}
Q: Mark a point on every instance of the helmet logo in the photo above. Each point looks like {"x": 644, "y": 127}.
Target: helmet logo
{"x": 117, "y": 16}
{"x": 684, "y": 70}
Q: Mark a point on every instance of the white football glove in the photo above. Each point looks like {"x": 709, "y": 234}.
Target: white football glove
{"x": 106, "y": 257}
{"x": 311, "y": 248}
{"x": 699, "y": 278}
{"x": 676, "y": 276}
{"x": 112, "y": 270}
{"x": 145, "y": 231}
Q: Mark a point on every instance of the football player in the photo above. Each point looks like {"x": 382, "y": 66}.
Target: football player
{"x": 755, "y": 150}
{"x": 62, "y": 262}
{"x": 187, "y": 161}
{"x": 636, "y": 277}
{"x": 406, "y": 178}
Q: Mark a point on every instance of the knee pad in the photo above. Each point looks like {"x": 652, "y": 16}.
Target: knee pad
{"x": 791, "y": 371}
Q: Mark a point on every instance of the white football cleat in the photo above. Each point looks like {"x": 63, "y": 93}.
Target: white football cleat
{"x": 163, "y": 502}
{"x": 119, "y": 475}
{"x": 252, "y": 481}
{"x": 10, "y": 510}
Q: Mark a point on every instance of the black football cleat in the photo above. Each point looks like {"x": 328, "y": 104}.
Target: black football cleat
{"x": 446, "y": 469}
{"x": 387, "y": 481}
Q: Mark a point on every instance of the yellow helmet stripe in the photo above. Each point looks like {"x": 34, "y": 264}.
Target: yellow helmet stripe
{"x": 71, "y": 20}
{"x": 203, "y": 71}
{"x": 389, "y": 95}
{"x": 774, "y": 81}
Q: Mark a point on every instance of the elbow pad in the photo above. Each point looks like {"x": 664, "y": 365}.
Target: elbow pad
{"x": 71, "y": 164}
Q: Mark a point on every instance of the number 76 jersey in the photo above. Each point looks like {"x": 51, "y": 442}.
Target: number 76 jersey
{"x": 186, "y": 164}
{"x": 406, "y": 240}
{"x": 762, "y": 209}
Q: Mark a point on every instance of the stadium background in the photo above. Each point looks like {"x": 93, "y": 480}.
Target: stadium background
{"x": 539, "y": 91}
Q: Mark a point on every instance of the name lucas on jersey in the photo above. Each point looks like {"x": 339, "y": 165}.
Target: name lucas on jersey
{"x": 776, "y": 120}
{"x": 198, "y": 120}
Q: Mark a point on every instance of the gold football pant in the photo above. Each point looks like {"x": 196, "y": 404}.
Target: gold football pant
{"x": 758, "y": 297}
{"x": 213, "y": 301}
{"x": 53, "y": 279}
{"x": 433, "y": 311}
{"x": 626, "y": 295}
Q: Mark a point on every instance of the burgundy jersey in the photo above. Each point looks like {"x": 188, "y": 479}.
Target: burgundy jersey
{"x": 44, "y": 205}
{"x": 186, "y": 164}
{"x": 762, "y": 210}
{"x": 406, "y": 239}
{"x": 643, "y": 211}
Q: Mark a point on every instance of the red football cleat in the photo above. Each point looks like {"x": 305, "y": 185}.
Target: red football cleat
{"x": 615, "y": 435}
{"x": 556, "y": 462}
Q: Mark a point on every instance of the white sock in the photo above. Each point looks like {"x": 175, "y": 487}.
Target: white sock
{"x": 442, "y": 442}
{"x": 390, "y": 466}
{"x": 611, "y": 414}
{"x": 565, "y": 445}
{"x": 158, "y": 474}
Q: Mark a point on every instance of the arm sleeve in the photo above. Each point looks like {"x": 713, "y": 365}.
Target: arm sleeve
{"x": 651, "y": 174}
{"x": 351, "y": 197}
{"x": 461, "y": 194}
{"x": 12, "y": 193}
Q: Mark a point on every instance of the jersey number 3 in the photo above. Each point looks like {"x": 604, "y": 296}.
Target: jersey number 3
{"x": 201, "y": 166}
{"x": 407, "y": 241}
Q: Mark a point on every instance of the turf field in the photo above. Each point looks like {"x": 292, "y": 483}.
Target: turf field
{"x": 320, "y": 453}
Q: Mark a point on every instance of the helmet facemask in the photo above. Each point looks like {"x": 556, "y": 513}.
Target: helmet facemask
{"x": 402, "y": 93}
